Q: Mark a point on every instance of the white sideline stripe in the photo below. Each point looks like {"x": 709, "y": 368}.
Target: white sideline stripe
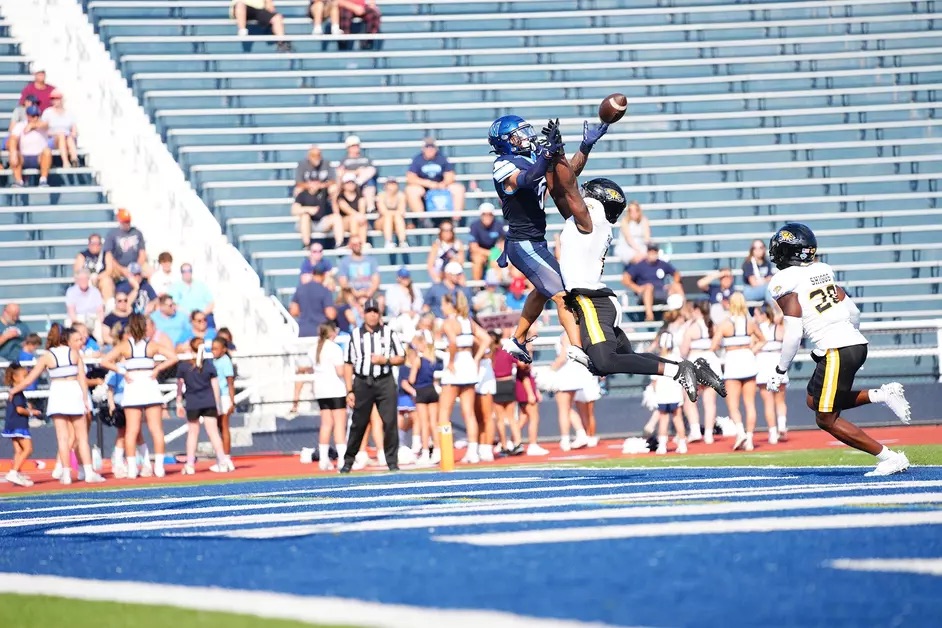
{"x": 384, "y": 497}
{"x": 327, "y": 610}
{"x": 688, "y": 528}
{"x": 925, "y": 566}
{"x": 636, "y": 512}
{"x": 308, "y": 491}
{"x": 438, "y": 509}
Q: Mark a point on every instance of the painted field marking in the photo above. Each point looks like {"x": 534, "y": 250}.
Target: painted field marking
{"x": 464, "y": 508}
{"x": 924, "y": 566}
{"x": 636, "y": 512}
{"x": 698, "y": 527}
{"x": 326, "y": 610}
{"x": 384, "y": 497}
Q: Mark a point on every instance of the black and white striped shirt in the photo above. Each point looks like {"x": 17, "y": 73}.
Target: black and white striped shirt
{"x": 364, "y": 343}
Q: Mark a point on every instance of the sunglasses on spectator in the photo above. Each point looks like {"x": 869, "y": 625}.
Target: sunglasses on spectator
{"x": 186, "y": 270}
{"x": 120, "y": 300}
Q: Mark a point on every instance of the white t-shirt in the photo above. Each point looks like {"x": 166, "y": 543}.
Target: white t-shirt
{"x": 161, "y": 281}
{"x": 583, "y": 254}
{"x": 32, "y": 143}
{"x": 59, "y": 122}
{"x": 327, "y": 384}
{"x": 826, "y": 321}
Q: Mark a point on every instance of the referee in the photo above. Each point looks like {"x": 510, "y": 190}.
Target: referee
{"x": 373, "y": 350}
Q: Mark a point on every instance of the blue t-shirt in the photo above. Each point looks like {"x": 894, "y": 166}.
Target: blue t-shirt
{"x": 359, "y": 272}
{"x": 145, "y": 294}
{"x": 486, "y": 237}
{"x": 312, "y": 298}
{"x": 192, "y": 296}
{"x": 199, "y": 384}
{"x": 26, "y": 357}
{"x": 644, "y": 273}
{"x": 207, "y": 336}
{"x": 177, "y": 327}
{"x": 115, "y": 381}
{"x": 522, "y": 208}
{"x": 433, "y": 169}
{"x": 224, "y": 369}
{"x": 16, "y": 425}
{"x": 307, "y": 267}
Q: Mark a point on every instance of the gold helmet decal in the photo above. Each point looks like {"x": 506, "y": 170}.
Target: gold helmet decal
{"x": 786, "y": 236}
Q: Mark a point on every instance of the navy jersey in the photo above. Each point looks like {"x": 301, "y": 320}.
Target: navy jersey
{"x": 522, "y": 208}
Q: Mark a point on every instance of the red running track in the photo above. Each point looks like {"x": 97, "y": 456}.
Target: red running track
{"x": 276, "y": 465}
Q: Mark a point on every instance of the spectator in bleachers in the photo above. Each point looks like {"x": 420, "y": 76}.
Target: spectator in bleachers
{"x": 163, "y": 276}
{"x": 364, "y": 10}
{"x": 719, "y": 287}
{"x": 358, "y": 271}
{"x": 485, "y": 231}
{"x": 451, "y": 284}
{"x": 141, "y": 295}
{"x": 649, "y": 280}
{"x": 192, "y": 294}
{"x": 517, "y": 290}
{"x": 348, "y": 312}
{"x": 317, "y": 9}
{"x": 314, "y": 193}
{"x": 14, "y": 331}
{"x": 117, "y": 319}
{"x": 316, "y": 256}
{"x": 756, "y": 272}
{"x": 199, "y": 328}
{"x": 91, "y": 259}
{"x": 362, "y": 166}
{"x": 312, "y": 304}
{"x": 391, "y": 205}
{"x": 634, "y": 234}
{"x": 123, "y": 246}
{"x": 62, "y": 130}
{"x": 83, "y": 302}
{"x": 446, "y": 248}
{"x": 169, "y": 321}
{"x": 352, "y": 207}
{"x": 403, "y": 296}
{"x": 29, "y": 148}
{"x": 430, "y": 176}
{"x": 263, "y": 12}
{"x": 39, "y": 89}
{"x": 490, "y": 300}
{"x": 19, "y": 115}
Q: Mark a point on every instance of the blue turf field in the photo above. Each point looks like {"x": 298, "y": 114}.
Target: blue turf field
{"x": 670, "y": 547}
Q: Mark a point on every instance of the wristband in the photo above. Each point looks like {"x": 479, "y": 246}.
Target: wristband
{"x": 780, "y": 372}
{"x": 585, "y": 148}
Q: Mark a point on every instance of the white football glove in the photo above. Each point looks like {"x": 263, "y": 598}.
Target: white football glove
{"x": 774, "y": 381}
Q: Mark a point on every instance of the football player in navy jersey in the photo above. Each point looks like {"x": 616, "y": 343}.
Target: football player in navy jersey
{"x": 520, "y": 171}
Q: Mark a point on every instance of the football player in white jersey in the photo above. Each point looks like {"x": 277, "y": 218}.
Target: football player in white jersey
{"x": 817, "y": 308}
{"x": 585, "y": 240}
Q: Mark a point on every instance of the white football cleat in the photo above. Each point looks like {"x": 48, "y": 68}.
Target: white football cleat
{"x": 93, "y": 478}
{"x": 15, "y": 478}
{"x": 159, "y": 471}
{"x": 323, "y": 465}
{"x": 533, "y": 449}
{"x": 147, "y": 470}
{"x": 896, "y": 401}
{"x": 895, "y": 464}
{"x": 740, "y": 441}
{"x": 581, "y": 440}
{"x": 593, "y": 441}
{"x": 773, "y": 436}
{"x": 576, "y": 354}
{"x": 681, "y": 447}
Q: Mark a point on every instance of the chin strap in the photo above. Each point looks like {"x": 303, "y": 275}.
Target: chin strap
{"x": 790, "y": 343}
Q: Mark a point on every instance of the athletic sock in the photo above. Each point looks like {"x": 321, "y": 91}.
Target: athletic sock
{"x": 581, "y": 434}
{"x": 144, "y": 454}
{"x": 876, "y": 395}
{"x": 341, "y": 453}
{"x": 564, "y": 441}
{"x": 191, "y": 460}
{"x": 89, "y": 471}
{"x": 885, "y": 454}
{"x": 472, "y": 449}
{"x": 324, "y": 451}
{"x": 58, "y": 467}
{"x": 670, "y": 369}
{"x": 773, "y": 432}
{"x": 661, "y": 441}
{"x": 695, "y": 430}
{"x": 416, "y": 442}
{"x": 782, "y": 423}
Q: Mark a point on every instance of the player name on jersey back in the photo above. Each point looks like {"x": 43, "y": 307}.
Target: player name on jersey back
{"x": 582, "y": 261}
{"x": 825, "y": 318}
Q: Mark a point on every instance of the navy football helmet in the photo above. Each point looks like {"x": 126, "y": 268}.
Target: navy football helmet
{"x": 511, "y": 135}
{"x": 793, "y": 245}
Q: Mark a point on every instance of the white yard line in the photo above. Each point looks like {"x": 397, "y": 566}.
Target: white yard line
{"x": 323, "y": 610}
{"x": 924, "y": 566}
{"x": 699, "y": 527}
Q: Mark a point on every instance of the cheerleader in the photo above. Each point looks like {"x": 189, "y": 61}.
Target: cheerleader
{"x": 331, "y": 394}
{"x": 772, "y": 403}
{"x": 505, "y": 395}
{"x": 16, "y": 425}
{"x": 142, "y": 398}
{"x": 669, "y": 397}
{"x": 461, "y": 370}
{"x": 203, "y": 403}
{"x": 406, "y": 408}
{"x": 570, "y": 377}
{"x": 423, "y": 363}
{"x": 114, "y": 384}
{"x": 741, "y": 339}
{"x": 68, "y": 396}
{"x": 484, "y": 406}
{"x": 697, "y": 343}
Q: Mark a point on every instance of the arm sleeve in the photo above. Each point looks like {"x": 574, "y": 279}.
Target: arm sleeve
{"x": 529, "y": 176}
{"x": 790, "y": 343}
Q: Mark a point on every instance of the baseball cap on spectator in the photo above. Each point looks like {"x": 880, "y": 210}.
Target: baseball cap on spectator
{"x": 33, "y": 98}
{"x": 349, "y": 176}
{"x": 487, "y": 208}
{"x": 55, "y": 94}
{"x": 675, "y": 302}
{"x": 352, "y": 140}
{"x": 518, "y": 286}
{"x": 403, "y": 273}
{"x": 371, "y": 305}
{"x": 453, "y": 268}
{"x": 124, "y": 215}
{"x": 429, "y": 141}
{"x": 652, "y": 246}
{"x": 134, "y": 268}
{"x": 33, "y": 110}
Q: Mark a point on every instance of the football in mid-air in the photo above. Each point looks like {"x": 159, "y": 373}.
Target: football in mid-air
{"x": 613, "y": 108}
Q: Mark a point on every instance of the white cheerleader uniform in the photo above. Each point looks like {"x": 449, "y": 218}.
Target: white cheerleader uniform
{"x": 466, "y": 371}
{"x": 667, "y": 392}
{"x": 142, "y": 389}
{"x": 571, "y": 376}
{"x": 65, "y": 395}
{"x": 768, "y": 358}
{"x": 702, "y": 347}
{"x": 740, "y": 362}
{"x": 487, "y": 383}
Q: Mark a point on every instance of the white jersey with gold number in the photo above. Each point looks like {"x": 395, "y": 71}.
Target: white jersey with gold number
{"x": 826, "y": 320}
{"x": 583, "y": 256}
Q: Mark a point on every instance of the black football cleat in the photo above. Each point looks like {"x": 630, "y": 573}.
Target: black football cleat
{"x": 346, "y": 468}
{"x": 706, "y": 376}
{"x": 687, "y": 377}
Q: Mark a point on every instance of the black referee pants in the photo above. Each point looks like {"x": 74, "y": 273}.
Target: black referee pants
{"x": 381, "y": 392}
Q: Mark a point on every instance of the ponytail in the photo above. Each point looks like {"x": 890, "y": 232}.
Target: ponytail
{"x": 54, "y": 337}
{"x": 323, "y": 335}
{"x": 196, "y": 347}
{"x": 461, "y": 304}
